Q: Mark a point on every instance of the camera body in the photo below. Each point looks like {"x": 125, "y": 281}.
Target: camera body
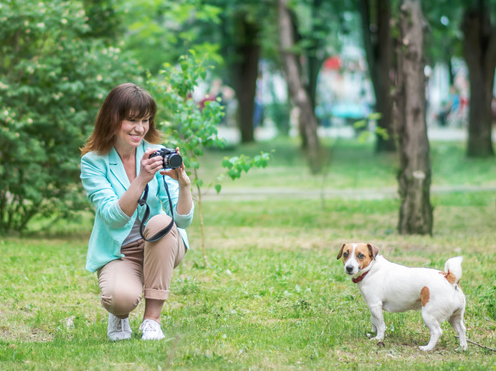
{"x": 171, "y": 159}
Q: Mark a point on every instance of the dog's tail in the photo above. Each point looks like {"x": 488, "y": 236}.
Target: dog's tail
{"x": 453, "y": 270}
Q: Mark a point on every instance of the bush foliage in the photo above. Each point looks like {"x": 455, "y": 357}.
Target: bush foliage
{"x": 54, "y": 75}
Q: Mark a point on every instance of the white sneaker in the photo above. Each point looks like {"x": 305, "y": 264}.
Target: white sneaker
{"x": 118, "y": 329}
{"x": 151, "y": 330}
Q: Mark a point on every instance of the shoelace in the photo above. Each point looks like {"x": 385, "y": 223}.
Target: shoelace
{"x": 117, "y": 324}
{"x": 150, "y": 326}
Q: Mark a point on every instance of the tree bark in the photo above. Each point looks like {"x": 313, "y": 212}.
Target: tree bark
{"x": 414, "y": 177}
{"x": 245, "y": 70}
{"x": 479, "y": 49}
{"x": 375, "y": 16}
{"x": 297, "y": 92}
{"x": 312, "y": 52}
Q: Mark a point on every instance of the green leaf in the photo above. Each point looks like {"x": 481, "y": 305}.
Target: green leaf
{"x": 375, "y": 116}
{"x": 233, "y": 174}
{"x": 246, "y": 167}
{"x": 360, "y": 124}
{"x": 227, "y": 163}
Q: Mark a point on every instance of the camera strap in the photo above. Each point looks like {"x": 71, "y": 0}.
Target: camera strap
{"x": 163, "y": 232}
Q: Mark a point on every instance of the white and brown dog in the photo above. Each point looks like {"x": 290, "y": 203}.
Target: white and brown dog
{"x": 396, "y": 288}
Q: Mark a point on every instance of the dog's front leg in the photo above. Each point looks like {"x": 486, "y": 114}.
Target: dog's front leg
{"x": 377, "y": 320}
{"x": 372, "y": 331}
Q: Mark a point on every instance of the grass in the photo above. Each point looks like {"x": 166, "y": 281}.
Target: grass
{"x": 274, "y": 296}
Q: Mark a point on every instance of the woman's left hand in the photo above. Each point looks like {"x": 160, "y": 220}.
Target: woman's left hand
{"x": 178, "y": 174}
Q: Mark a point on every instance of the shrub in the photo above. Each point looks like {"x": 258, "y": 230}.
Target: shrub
{"x": 53, "y": 78}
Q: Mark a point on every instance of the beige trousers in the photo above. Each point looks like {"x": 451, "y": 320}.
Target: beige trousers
{"x": 145, "y": 269}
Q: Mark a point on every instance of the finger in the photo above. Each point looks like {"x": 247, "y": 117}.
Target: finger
{"x": 180, "y": 170}
{"x": 149, "y": 151}
{"x": 170, "y": 173}
{"x": 152, "y": 165}
{"x": 159, "y": 161}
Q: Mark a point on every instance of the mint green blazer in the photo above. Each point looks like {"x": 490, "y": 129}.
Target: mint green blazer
{"x": 105, "y": 181}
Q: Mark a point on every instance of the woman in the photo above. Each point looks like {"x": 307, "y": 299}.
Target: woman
{"x": 115, "y": 169}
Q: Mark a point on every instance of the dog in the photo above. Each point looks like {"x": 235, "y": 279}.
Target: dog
{"x": 395, "y": 288}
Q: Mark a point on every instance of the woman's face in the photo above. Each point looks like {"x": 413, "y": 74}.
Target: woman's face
{"x": 132, "y": 132}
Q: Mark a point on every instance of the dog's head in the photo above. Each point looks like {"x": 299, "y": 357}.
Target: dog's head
{"x": 357, "y": 257}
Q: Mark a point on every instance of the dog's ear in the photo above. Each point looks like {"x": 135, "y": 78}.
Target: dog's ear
{"x": 341, "y": 251}
{"x": 374, "y": 250}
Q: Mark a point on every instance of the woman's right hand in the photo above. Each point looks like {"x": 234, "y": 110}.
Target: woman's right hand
{"x": 148, "y": 169}
{"x": 150, "y": 166}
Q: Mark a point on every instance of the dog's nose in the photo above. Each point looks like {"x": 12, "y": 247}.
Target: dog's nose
{"x": 349, "y": 269}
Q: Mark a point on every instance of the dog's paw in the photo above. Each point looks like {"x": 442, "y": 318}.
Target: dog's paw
{"x": 377, "y": 337}
{"x": 425, "y": 348}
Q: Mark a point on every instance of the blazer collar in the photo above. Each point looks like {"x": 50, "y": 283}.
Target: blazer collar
{"x": 117, "y": 167}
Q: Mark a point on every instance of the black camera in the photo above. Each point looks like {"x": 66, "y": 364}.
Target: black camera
{"x": 171, "y": 160}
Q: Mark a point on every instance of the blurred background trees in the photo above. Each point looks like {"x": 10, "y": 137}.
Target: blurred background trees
{"x": 59, "y": 59}
{"x": 376, "y": 16}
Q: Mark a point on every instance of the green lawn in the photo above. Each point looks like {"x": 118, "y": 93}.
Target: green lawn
{"x": 274, "y": 296}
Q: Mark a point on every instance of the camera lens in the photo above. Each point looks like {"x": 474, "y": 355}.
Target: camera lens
{"x": 174, "y": 161}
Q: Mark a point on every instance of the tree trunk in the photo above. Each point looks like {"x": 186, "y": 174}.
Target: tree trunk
{"x": 314, "y": 62}
{"x": 375, "y": 15}
{"x": 297, "y": 92}
{"x": 414, "y": 177}
{"x": 479, "y": 48}
{"x": 245, "y": 69}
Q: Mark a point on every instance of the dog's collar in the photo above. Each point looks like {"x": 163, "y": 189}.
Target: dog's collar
{"x": 358, "y": 279}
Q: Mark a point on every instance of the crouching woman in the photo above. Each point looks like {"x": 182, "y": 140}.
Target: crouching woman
{"x": 116, "y": 168}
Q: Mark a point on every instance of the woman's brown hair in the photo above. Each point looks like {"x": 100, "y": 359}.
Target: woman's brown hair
{"x": 125, "y": 101}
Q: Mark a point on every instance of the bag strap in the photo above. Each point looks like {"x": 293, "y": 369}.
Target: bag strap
{"x": 162, "y": 232}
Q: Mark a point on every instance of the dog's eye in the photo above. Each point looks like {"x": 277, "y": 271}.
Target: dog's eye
{"x": 361, "y": 256}
{"x": 346, "y": 254}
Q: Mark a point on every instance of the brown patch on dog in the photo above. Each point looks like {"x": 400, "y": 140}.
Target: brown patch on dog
{"x": 449, "y": 276}
{"x": 364, "y": 255}
{"x": 345, "y": 252}
{"x": 424, "y": 295}
{"x": 374, "y": 250}
{"x": 341, "y": 251}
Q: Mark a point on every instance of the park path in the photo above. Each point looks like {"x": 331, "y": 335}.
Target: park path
{"x": 262, "y": 193}
{"x": 231, "y": 134}
{"x": 248, "y": 194}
